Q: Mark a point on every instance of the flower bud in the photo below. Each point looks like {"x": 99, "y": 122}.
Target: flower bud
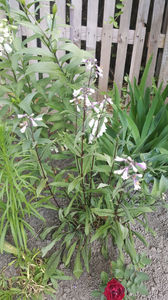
{"x": 54, "y": 9}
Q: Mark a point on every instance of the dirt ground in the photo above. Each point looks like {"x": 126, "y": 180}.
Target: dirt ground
{"x": 81, "y": 289}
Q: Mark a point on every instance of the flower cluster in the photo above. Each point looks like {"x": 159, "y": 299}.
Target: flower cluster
{"x": 114, "y": 290}
{"x": 5, "y": 37}
{"x": 98, "y": 122}
{"x": 29, "y": 120}
{"x": 96, "y": 109}
{"x": 130, "y": 165}
{"x": 91, "y": 65}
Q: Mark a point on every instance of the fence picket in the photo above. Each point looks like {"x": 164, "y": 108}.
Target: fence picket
{"x": 92, "y": 25}
{"x": 164, "y": 66}
{"x": 154, "y": 36}
{"x": 139, "y": 39}
{"x": 122, "y": 43}
{"x": 75, "y": 21}
{"x": 106, "y": 43}
{"x": 61, "y": 21}
{"x": 108, "y": 35}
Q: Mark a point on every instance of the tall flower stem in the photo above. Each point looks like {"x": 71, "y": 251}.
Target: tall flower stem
{"x": 42, "y": 169}
{"x": 82, "y": 146}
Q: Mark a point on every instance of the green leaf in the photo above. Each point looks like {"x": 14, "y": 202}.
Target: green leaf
{"x": 41, "y": 186}
{"x": 145, "y": 75}
{"x": 140, "y": 237}
{"x": 74, "y": 184}
{"x": 26, "y": 103}
{"x": 44, "y": 67}
{"x": 52, "y": 264}
{"x": 101, "y": 231}
{"x": 103, "y": 212}
{"x": 77, "y": 266}
{"x": 163, "y": 184}
{"x": 70, "y": 253}
{"x": 104, "y": 277}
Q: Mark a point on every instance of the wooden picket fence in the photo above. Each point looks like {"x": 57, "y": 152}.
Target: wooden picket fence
{"x": 141, "y": 41}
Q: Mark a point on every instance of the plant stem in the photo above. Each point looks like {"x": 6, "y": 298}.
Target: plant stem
{"x": 82, "y": 146}
{"x": 42, "y": 169}
{"x": 115, "y": 151}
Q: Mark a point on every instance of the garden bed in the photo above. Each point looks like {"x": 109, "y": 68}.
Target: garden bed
{"x": 81, "y": 289}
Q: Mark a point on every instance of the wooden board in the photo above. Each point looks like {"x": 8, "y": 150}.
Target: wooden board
{"x": 106, "y": 43}
{"x": 164, "y": 66}
{"x": 76, "y": 22}
{"x": 139, "y": 39}
{"x": 122, "y": 43}
{"x": 157, "y": 17}
{"x": 92, "y": 15}
{"x": 61, "y": 21}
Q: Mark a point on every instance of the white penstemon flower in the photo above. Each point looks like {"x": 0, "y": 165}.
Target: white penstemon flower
{"x": 5, "y": 37}
{"x": 91, "y": 64}
{"x": 30, "y": 121}
{"x": 131, "y": 165}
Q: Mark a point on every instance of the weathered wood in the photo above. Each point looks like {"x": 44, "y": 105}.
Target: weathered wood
{"x": 139, "y": 39}
{"x": 109, "y": 35}
{"x": 122, "y": 43}
{"x": 106, "y": 43}
{"x": 15, "y": 5}
{"x": 76, "y": 21}
{"x": 61, "y": 21}
{"x": 156, "y": 24}
{"x": 44, "y": 12}
{"x": 164, "y": 66}
{"x": 92, "y": 15}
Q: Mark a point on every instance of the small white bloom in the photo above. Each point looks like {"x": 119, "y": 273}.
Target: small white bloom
{"x": 76, "y": 93}
{"x": 119, "y": 159}
{"x": 1, "y": 39}
{"x": 77, "y": 107}
{"x": 91, "y": 123}
{"x": 125, "y": 174}
{"x": 34, "y": 124}
{"x": 88, "y": 103}
{"x": 102, "y": 130}
{"x": 96, "y": 109}
{"x": 99, "y": 71}
{"x": 76, "y": 77}
{"x": 89, "y": 66}
{"x": 7, "y": 48}
{"x": 95, "y": 127}
{"x": 119, "y": 172}
{"x": 21, "y": 116}
{"x": 133, "y": 167}
{"x": 142, "y": 165}
{"x": 24, "y": 126}
{"x": 91, "y": 91}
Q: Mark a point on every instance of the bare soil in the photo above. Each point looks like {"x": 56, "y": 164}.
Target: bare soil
{"x": 81, "y": 289}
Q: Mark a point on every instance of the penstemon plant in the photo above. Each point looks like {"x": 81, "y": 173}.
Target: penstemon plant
{"x": 75, "y": 153}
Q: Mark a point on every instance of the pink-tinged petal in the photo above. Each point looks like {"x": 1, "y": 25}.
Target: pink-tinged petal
{"x": 119, "y": 172}
{"x": 139, "y": 175}
{"x": 77, "y": 108}
{"x": 76, "y": 92}
{"x": 23, "y": 129}
{"x": 34, "y": 124}
{"x": 136, "y": 185}
{"x": 142, "y": 165}
{"x": 21, "y": 116}
{"x": 133, "y": 167}
{"x": 125, "y": 174}
{"x": 119, "y": 159}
